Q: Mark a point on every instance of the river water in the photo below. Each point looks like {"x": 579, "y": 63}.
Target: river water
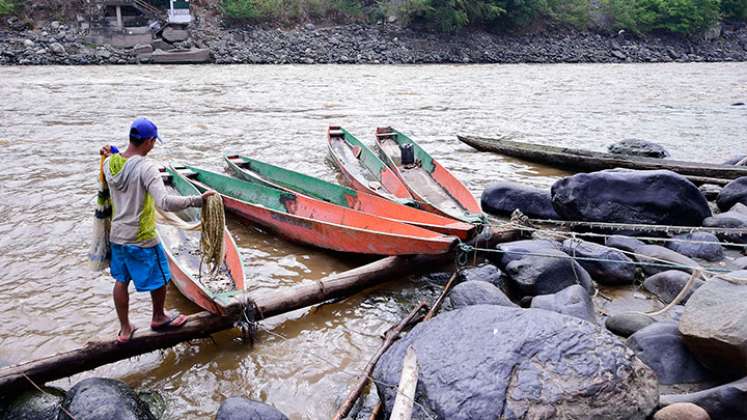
{"x": 53, "y": 120}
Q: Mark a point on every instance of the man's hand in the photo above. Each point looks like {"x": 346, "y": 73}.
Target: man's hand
{"x": 207, "y": 194}
{"x": 107, "y": 150}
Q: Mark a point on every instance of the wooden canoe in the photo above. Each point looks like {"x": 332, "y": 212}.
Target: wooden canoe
{"x": 428, "y": 181}
{"x": 212, "y": 293}
{"x": 319, "y": 223}
{"x": 583, "y": 160}
{"x": 256, "y": 171}
{"x": 362, "y": 169}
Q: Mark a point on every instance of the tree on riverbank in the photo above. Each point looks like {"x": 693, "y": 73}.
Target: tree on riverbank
{"x": 639, "y": 16}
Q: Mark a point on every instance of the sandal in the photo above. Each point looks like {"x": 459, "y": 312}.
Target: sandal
{"x": 175, "y": 321}
{"x": 122, "y": 339}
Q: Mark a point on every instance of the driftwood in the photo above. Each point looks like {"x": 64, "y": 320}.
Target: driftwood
{"x": 389, "y": 338}
{"x": 202, "y": 324}
{"x": 440, "y": 300}
{"x": 408, "y": 382}
{"x": 583, "y": 160}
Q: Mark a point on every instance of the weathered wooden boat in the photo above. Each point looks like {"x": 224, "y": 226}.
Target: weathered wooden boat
{"x": 429, "y": 182}
{"x": 274, "y": 176}
{"x": 181, "y": 56}
{"x": 213, "y": 292}
{"x": 362, "y": 169}
{"x": 319, "y": 223}
{"x": 583, "y": 160}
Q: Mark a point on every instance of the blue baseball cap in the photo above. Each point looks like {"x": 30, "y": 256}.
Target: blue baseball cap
{"x": 143, "y": 129}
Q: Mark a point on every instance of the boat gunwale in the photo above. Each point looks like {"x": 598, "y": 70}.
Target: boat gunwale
{"x": 436, "y": 236}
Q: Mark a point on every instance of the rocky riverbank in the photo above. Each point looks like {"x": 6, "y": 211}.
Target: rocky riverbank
{"x": 70, "y": 43}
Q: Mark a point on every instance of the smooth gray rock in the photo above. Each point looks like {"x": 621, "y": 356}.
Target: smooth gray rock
{"x": 661, "y": 347}
{"x": 715, "y": 325}
{"x": 736, "y": 217}
{"x": 237, "y": 408}
{"x": 658, "y": 255}
{"x": 547, "y": 274}
{"x": 621, "y": 196}
{"x": 477, "y": 293}
{"x": 57, "y": 48}
{"x": 573, "y": 301}
{"x": 487, "y": 361}
{"x": 502, "y": 198}
{"x": 638, "y": 147}
{"x": 625, "y": 243}
{"x": 32, "y": 405}
{"x": 741, "y": 263}
{"x": 619, "y": 271}
{"x": 516, "y": 250}
{"x": 733, "y": 193}
{"x": 628, "y": 323}
{"x": 104, "y": 399}
{"x": 725, "y": 402}
{"x": 668, "y": 284}
{"x": 711, "y": 251}
{"x": 485, "y": 272}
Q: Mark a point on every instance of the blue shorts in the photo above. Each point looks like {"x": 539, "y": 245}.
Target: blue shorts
{"x": 148, "y": 268}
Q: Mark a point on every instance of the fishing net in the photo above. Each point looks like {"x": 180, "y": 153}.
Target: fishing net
{"x": 212, "y": 245}
{"x": 99, "y": 252}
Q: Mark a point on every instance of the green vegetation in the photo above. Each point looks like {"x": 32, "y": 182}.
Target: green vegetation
{"x": 680, "y": 16}
{"x": 640, "y": 16}
{"x": 293, "y": 11}
{"x": 7, "y": 7}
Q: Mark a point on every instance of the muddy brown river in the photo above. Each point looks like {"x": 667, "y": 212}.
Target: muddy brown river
{"x": 53, "y": 120}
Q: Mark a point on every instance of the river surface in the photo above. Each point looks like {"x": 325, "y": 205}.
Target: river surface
{"x": 54, "y": 119}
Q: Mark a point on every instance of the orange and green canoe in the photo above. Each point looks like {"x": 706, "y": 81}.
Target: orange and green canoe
{"x": 319, "y": 223}
{"x": 210, "y": 292}
{"x": 432, "y": 185}
{"x": 274, "y": 176}
{"x": 362, "y": 169}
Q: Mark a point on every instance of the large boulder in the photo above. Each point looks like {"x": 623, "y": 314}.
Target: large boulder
{"x": 495, "y": 362}
{"x": 668, "y": 284}
{"x": 660, "y": 346}
{"x": 573, "y": 300}
{"x": 606, "y": 265}
{"x": 658, "y": 197}
{"x": 733, "y": 193}
{"x": 638, "y": 147}
{"x": 626, "y": 324}
{"x": 32, "y": 405}
{"x": 237, "y": 408}
{"x": 725, "y": 402}
{"x": 502, "y": 198}
{"x": 741, "y": 263}
{"x": 538, "y": 267}
{"x": 104, "y": 399}
{"x": 477, "y": 293}
{"x": 703, "y": 245}
{"x": 715, "y": 324}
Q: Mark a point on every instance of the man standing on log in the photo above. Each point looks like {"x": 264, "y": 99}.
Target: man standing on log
{"x": 136, "y": 189}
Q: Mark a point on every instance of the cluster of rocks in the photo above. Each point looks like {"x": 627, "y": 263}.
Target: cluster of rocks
{"x": 109, "y": 399}
{"x": 381, "y": 43}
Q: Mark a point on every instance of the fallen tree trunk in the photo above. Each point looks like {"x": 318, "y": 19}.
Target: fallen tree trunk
{"x": 202, "y": 324}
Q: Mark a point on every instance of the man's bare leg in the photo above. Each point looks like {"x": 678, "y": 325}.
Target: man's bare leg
{"x": 158, "y": 297}
{"x": 122, "y": 305}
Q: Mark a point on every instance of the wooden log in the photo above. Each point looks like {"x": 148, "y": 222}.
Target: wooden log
{"x": 202, "y": 324}
{"x": 583, "y": 160}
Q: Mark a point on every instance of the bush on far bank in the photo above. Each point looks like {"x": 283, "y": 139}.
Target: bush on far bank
{"x": 6, "y": 7}
{"x": 686, "y": 17}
